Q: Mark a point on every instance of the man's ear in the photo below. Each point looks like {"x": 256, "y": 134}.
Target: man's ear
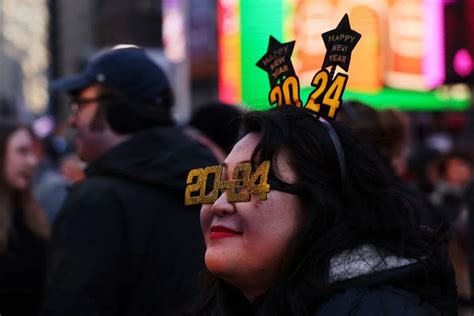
{"x": 121, "y": 118}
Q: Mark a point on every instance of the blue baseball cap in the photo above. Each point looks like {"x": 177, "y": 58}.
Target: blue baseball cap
{"x": 128, "y": 70}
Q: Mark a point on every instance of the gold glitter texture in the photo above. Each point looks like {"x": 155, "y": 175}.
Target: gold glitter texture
{"x": 239, "y": 188}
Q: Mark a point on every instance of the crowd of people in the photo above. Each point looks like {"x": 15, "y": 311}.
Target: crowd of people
{"x": 352, "y": 217}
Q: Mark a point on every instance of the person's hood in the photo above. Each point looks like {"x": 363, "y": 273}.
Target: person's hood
{"x": 361, "y": 261}
{"x": 162, "y": 157}
{"x": 431, "y": 279}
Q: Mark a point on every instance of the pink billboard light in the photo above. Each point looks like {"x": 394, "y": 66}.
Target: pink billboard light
{"x": 433, "y": 62}
{"x": 463, "y": 64}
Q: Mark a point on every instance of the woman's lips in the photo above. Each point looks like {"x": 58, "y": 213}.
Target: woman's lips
{"x": 223, "y": 232}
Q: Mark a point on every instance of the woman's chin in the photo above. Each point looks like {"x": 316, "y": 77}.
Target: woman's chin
{"x": 217, "y": 262}
{"x": 224, "y": 262}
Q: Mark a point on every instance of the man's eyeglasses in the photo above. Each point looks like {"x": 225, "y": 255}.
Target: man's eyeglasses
{"x": 76, "y": 104}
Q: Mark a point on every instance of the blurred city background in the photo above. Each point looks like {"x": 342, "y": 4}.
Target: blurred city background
{"x": 415, "y": 56}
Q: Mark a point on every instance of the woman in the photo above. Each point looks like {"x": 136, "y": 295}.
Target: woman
{"x": 23, "y": 225}
{"x": 332, "y": 238}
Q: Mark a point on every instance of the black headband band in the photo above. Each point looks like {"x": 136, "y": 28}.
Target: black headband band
{"x": 279, "y": 185}
{"x": 337, "y": 145}
{"x": 349, "y": 110}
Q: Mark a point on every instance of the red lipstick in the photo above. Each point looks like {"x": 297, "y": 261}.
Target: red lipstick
{"x": 222, "y": 232}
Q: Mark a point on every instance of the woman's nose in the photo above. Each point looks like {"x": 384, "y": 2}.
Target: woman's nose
{"x": 222, "y": 206}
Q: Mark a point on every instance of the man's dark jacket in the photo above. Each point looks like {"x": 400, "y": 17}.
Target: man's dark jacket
{"x": 124, "y": 243}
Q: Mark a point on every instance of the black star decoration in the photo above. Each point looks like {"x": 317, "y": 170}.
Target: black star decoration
{"x": 339, "y": 44}
{"x": 277, "y": 60}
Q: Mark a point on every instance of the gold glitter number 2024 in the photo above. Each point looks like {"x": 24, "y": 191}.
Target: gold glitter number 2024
{"x": 243, "y": 184}
{"x": 330, "y": 94}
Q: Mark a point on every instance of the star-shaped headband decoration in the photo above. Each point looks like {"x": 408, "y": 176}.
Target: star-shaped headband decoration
{"x": 277, "y": 61}
{"x": 339, "y": 44}
{"x": 326, "y": 98}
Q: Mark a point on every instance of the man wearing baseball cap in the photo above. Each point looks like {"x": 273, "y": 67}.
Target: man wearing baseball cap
{"x": 123, "y": 242}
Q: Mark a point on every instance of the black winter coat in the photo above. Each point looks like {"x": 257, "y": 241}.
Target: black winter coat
{"x": 22, "y": 270}
{"x": 124, "y": 243}
{"x": 364, "y": 284}
{"x": 417, "y": 289}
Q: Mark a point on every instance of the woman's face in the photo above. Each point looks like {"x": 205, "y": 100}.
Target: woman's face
{"x": 20, "y": 160}
{"x": 247, "y": 241}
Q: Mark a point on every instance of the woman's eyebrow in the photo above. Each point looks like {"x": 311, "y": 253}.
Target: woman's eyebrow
{"x": 241, "y": 162}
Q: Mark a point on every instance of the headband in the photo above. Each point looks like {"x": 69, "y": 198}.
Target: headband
{"x": 204, "y": 185}
{"x": 325, "y": 100}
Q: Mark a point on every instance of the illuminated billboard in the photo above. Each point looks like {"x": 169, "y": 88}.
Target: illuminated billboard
{"x": 401, "y": 61}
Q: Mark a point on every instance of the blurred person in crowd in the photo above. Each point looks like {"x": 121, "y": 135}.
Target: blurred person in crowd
{"x": 450, "y": 195}
{"x": 8, "y": 110}
{"x": 394, "y": 140}
{"x": 332, "y": 237}
{"x": 124, "y": 243}
{"x": 51, "y": 185}
{"x": 423, "y": 165}
{"x": 470, "y": 236}
{"x": 24, "y": 226}
{"x": 387, "y": 131}
{"x": 455, "y": 173}
{"x": 220, "y": 122}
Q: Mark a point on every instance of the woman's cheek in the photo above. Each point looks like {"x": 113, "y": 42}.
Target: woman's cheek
{"x": 205, "y": 220}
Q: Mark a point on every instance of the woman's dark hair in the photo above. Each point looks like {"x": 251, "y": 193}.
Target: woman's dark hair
{"x": 338, "y": 215}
